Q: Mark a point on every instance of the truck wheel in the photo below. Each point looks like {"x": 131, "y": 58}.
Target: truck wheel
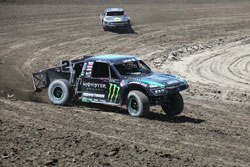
{"x": 174, "y": 105}
{"x": 60, "y": 92}
{"x": 105, "y": 28}
{"x": 128, "y": 28}
{"x": 137, "y": 104}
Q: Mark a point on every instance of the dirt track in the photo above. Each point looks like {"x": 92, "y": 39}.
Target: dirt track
{"x": 206, "y": 43}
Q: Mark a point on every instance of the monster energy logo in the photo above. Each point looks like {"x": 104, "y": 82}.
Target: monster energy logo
{"x": 113, "y": 92}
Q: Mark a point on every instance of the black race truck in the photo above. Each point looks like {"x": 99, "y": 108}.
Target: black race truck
{"x": 114, "y": 80}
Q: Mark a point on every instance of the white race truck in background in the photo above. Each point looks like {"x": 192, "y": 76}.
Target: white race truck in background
{"x": 115, "y": 18}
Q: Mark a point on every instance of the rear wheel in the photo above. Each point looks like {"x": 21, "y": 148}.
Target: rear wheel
{"x": 60, "y": 92}
{"x": 137, "y": 104}
{"x": 173, "y": 105}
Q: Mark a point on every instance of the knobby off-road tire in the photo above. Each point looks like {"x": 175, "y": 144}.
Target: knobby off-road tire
{"x": 174, "y": 105}
{"x": 137, "y": 104}
{"x": 129, "y": 28}
{"x": 60, "y": 92}
{"x": 105, "y": 28}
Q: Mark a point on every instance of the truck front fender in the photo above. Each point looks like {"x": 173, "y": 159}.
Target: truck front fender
{"x": 131, "y": 87}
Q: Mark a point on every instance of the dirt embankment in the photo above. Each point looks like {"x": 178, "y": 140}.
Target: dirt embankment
{"x": 207, "y": 43}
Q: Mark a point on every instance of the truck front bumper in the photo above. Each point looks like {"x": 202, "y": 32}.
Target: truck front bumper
{"x": 116, "y": 24}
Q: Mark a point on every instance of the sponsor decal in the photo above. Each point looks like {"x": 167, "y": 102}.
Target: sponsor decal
{"x": 93, "y": 85}
{"x": 83, "y": 69}
{"x": 93, "y": 95}
{"x": 128, "y": 60}
{"x": 173, "y": 82}
{"x": 84, "y": 99}
{"x": 113, "y": 92}
{"x": 150, "y": 82}
{"x": 96, "y": 100}
{"x": 139, "y": 83}
{"x": 96, "y": 89}
{"x": 101, "y": 61}
{"x": 122, "y": 83}
{"x": 158, "y": 78}
{"x": 88, "y": 74}
{"x": 88, "y": 69}
{"x": 117, "y": 19}
{"x": 90, "y": 65}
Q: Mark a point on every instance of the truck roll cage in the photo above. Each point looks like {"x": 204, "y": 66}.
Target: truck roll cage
{"x": 68, "y": 69}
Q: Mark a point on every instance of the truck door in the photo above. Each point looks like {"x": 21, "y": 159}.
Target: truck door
{"x": 113, "y": 95}
{"x": 98, "y": 85}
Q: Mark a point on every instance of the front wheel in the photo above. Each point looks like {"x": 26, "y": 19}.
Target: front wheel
{"x": 173, "y": 105}
{"x": 105, "y": 28}
{"x": 128, "y": 28}
{"x": 60, "y": 92}
{"x": 137, "y": 103}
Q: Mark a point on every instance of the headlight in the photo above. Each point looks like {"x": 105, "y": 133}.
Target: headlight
{"x": 159, "y": 91}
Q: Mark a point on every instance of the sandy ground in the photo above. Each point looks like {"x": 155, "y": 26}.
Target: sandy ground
{"x": 207, "y": 43}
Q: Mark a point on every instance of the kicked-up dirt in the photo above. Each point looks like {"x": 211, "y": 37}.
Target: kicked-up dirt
{"x": 205, "y": 42}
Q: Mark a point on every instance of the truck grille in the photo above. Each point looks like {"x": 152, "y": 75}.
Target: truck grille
{"x": 118, "y": 23}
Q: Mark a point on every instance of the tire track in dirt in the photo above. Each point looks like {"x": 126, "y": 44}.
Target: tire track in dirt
{"x": 207, "y": 133}
{"x": 221, "y": 72}
{"x": 161, "y": 134}
{"x": 68, "y": 40}
{"x": 41, "y": 38}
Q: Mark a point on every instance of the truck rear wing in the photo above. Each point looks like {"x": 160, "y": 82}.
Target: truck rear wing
{"x": 66, "y": 70}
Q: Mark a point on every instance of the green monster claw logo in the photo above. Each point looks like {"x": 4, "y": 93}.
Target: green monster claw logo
{"x": 113, "y": 91}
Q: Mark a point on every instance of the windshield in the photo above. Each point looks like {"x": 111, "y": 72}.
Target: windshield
{"x": 115, "y": 13}
{"x": 132, "y": 68}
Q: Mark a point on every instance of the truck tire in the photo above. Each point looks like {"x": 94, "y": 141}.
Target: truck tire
{"x": 174, "y": 105}
{"x": 105, "y": 28}
{"x": 128, "y": 28}
{"x": 60, "y": 92}
{"x": 137, "y": 103}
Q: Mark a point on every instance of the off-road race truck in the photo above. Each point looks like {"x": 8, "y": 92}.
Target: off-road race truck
{"x": 112, "y": 79}
{"x": 115, "y": 18}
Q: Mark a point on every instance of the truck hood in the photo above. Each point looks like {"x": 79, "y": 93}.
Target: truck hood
{"x": 116, "y": 18}
{"x": 160, "y": 80}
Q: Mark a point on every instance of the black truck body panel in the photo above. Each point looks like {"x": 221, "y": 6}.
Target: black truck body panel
{"x": 100, "y": 79}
